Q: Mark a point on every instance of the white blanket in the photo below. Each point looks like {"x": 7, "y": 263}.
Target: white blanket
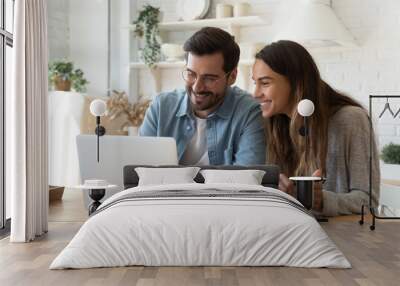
{"x": 183, "y": 231}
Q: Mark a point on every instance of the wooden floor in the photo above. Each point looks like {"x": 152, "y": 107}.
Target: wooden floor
{"x": 375, "y": 257}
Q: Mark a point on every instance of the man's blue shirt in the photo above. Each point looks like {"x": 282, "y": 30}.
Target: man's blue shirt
{"x": 235, "y": 131}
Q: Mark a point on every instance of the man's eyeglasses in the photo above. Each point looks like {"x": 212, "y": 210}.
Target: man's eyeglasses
{"x": 209, "y": 81}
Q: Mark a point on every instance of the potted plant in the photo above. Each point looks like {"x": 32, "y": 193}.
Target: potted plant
{"x": 391, "y": 157}
{"x": 119, "y": 105}
{"x": 146, "y": 26}
{"x": 62, "y": 76}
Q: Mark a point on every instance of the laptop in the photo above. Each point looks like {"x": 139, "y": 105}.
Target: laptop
{"x": 115, "y": 152}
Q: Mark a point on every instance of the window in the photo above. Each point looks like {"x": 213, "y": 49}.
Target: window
{"x": 6, "y": 44}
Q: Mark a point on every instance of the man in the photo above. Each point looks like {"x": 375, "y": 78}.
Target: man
{"x": 212, "y": 122}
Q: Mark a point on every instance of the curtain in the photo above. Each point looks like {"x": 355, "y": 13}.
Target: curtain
{"x": 27, "y": 151}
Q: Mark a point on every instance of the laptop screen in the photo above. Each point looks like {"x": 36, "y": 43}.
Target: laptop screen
{"x": 119, "y": 151}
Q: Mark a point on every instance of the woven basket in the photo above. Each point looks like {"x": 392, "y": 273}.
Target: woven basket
{"x": 62, "y": 85}
{"x": 55, "y": 193}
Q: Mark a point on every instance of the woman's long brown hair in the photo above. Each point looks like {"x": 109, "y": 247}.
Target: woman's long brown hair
{"x": 285, "y": 145}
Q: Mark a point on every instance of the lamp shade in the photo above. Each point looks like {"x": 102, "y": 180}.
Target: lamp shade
{"x": 305, "y": 107}
{"x": 315, "y": 25}
{"x": 98, "y": 107}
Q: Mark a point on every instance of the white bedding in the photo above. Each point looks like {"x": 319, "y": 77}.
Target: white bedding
{"x": 200, "y": 231}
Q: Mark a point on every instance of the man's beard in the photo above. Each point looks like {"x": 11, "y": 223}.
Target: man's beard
{"x": 205, "y": 100}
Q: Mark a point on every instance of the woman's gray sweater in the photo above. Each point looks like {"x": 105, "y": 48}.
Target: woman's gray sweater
{"x": 347, "y": 163}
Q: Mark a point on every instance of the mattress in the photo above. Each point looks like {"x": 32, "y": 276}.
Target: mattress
{"x": 201, "y": 225}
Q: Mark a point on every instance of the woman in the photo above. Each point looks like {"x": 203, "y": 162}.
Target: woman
{"x": 284, "y": 74}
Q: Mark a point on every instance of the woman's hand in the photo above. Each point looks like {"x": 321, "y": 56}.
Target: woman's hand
{"x": 317, "y": 192}
{"x": 286, "y": 185}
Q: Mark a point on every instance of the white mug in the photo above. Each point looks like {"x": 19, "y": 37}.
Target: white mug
{"x": 241, "y": 9}
{"x": 223, "y": 11}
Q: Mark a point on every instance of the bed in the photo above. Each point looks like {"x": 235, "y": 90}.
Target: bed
{"x": 201, "y": 224}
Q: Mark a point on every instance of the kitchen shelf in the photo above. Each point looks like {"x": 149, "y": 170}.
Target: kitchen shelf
{"x": 179, "y": 64}
{"x": 163, "y": 65}
{"x": 232, "y": 25}
{"x": 221, "y": 23}
{"x": 244, "y": 68}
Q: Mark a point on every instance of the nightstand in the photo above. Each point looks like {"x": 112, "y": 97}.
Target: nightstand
{"x": 96, "y": 193}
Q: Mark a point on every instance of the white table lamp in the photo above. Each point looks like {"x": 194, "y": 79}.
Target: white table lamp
{"x": 304, "y": 185}
{"x": 98, "y": 108}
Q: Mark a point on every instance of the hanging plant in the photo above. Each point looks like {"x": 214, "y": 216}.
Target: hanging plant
{"x": 147, "y": 28}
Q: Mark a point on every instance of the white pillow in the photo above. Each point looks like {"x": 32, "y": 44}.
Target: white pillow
{"x": 248, "y": 177}
{"x": 165, "y": 176}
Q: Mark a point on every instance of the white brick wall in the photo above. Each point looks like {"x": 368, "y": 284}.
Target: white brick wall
{"x": 375, "y": 65}
{"x": 372, "y": 68}
{"x": 58, "y": 29}
{"x": 88, "y": 24}
{"x": 77, "y": 30}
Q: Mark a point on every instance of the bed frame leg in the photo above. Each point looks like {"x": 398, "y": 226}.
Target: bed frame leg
{"x": 372, "y": 227}
{"x": 361, "y": 221}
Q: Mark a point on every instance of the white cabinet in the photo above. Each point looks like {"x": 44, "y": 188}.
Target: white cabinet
{"x": 232, "y": 25}
{"x": 65, "y": 114}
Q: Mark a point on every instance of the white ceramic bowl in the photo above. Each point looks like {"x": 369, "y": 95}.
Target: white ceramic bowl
{"x": 172, "y": 52}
